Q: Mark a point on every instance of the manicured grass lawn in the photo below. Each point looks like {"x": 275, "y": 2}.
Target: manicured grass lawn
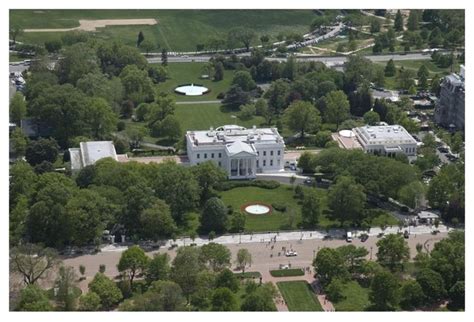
{"x": 177, "y": 30}
{"x": 186, "y": 73}
{"x": 299, "y": 296}
{"x": 356, "y": 298}
{"x": 276, "y": 220}
{"x": 384, "y": 219}
{"x": 202, "y": 116}
{"x": 416, "y": 64}
{"x": 287, "y": 272}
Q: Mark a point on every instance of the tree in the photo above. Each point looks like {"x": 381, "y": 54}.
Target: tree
{"x": 17, "y": 108}
{"x": 243, "y": 79}
{"x": 405, "y": 78}
{"x": 158, "y": 73}
{"x": 390, "y": 69}
{"x": 259, "y": 299}
{"x": 237, "y": 222}
{"x": 375, "y": 25}
{"x": 235, "y": 97}
{"x": 138, "y": 87}
{"x": 186, "y": 268}
{"x": 277, "y": 95}
{"x": 53, "y": 46}
{"x": 78, "y": 60}
{"x": 329, "y": 264}
{"x": 306, "y": 162}
{"x": 243, "y": 259}
{"x": 227, "y": 279}
{"x": 393, "y": 251}
{"x": 208, "y": 175}
{"x": 432, "y": 285}
{"x": 170, "y": 127}
{"x": 214, "y": 216}
{"x": 354, "y": 257}
{"x": 302, "y": 117}
{"x": 413, "y": 18}
{"x": 15, "y": 30}
{"x": 384, "y": 291}
{"x": 347, "y": 200}
{"x": 411, "y": 295}
{"x": 140, "y": 38}
{"x": 334, "y": 290}
{"x": 32, "y": 262}
{"x": 337, "y": 107}
{"x": 224, "y": 300}
{"x": 148, "y": 45}
{"x": 457, "y": 142}
{"x": 164, "y": 57}
{"x": 66, "y": 285}
{"x": 371, "y": 118}
{"x": 398, "y": 23}
{"x": 161, "y": 296}
{"x": 412, "y": 194}
{"x": 457, "y": 295}
{"x": 423, "y": 74}
{"x": 33, "y": 298}
{"x": 241, "y": 35}
{"x": 89, "y": 302}
{"x": 156, "y": 222}
{"x": 102, "y": 119}
{"x": 133, "y": 261}
{"x": 217, "y": 257}
{"x": 41, "y": 150}
{"x": 218, "y": 71}
{"x": 158, "y": 268}
{"x": 106, "y": 289}
{"x": 311, "y": 209}
{"x": 19, "y": 142}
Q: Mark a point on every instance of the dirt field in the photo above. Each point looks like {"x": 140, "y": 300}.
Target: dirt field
{"x": 92, "y": 25}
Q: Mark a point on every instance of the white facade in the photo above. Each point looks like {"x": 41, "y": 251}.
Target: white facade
{"x": 386, "y": 140}
{"x": 241, "y": 152}
{"x": 90, "y": 152}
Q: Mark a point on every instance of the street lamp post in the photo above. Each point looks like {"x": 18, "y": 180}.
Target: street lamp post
{"x": 371, "y": 252}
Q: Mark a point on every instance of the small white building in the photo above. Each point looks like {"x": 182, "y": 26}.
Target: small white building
{"x": 387, "y": 140}
{"x": 89, "y": 153}
{"x": 241, "y": 152}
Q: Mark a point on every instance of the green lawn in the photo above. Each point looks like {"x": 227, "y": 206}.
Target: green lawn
{"x": 356, "y": 298}
{"x": 299, "y": 296}
{"x": 177, "y": 30}
{"x": 276, "y": 220}
{"x": 185, "y": 73}
{"x": 202, "y": 116}
{"x": 287, "y": 272}
{"x": 416, "y": 64}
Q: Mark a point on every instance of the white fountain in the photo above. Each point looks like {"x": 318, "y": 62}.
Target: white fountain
{"x": 191, "y": 90}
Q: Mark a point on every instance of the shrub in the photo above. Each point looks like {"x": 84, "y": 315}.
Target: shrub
{"x": 279, "y": 206}
{"x": 221, "y": 95}
{"x": 120, "y": 126}
{"x": 287, "y": 272}
{"x": 265, "y": 184}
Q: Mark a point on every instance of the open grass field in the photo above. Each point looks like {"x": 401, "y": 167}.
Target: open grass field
{"x": 185, "y": 73}
{"x": 299, "y": 296}
{"x": 177, "y": 30}
{"x": 356, "y": 298}
{"x": 416, "y": 64}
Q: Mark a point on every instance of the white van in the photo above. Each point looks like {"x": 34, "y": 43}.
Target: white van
{"x": 349, "y": 237}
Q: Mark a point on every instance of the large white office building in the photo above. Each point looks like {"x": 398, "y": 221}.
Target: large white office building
{"x": 241, "y": 152}
{"x": 386, "y": 140}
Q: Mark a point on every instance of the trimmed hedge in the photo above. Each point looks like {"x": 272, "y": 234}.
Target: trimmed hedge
{"x": 265, "y": 184}
{"x": 248, "y": 275}
{"x": 287, "y": 272}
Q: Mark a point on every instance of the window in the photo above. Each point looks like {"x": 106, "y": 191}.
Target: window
{"x": 264, "y": 153}
{"x": 205, "y": 155}
{"x": 212, "y": 155}
{"x": 279, "y": 152}
{"x": 271, "y": 162}
{"x": 264, "y": 162}
{"x": 220, "y": 165}
{"x": 271, "y": 152}
{"x": 257, "y": 163}
{"x": 198, "y": 155}
{"x": 220, "y": 155}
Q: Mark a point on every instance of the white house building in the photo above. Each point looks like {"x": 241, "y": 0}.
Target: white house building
{"x": 386, "y": 140}
{"x": 241, "y": 152}
{"x": 89, "y": 153}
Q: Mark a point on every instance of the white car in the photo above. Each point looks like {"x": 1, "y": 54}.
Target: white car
{"x": 291, "y": 253}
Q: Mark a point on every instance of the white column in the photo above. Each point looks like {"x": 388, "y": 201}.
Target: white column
{"x": 238, "y": 167}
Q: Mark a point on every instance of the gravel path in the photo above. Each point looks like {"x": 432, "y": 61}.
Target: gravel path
{"x": 92, "y": 25}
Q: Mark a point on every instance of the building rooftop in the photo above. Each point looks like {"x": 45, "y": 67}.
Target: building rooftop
{"x": 227, "y": 134}
{"x": 384, "y": 134}
{"x": 95, "y": 150}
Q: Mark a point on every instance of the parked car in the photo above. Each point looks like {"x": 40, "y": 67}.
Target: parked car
{"x": 349, "y": 237}
{"x": 291, "y": 253}
{"x": 309, "y": 182}
{"x": 443, "y": 149}
{"x": 364, "y": 237}
{"x": 327, "y": 237}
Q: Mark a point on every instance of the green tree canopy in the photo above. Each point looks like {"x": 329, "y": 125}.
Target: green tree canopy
{"x": 133, "y": 261}
{"x": 393, "y": 251}
{"x": 302, "y": 117}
